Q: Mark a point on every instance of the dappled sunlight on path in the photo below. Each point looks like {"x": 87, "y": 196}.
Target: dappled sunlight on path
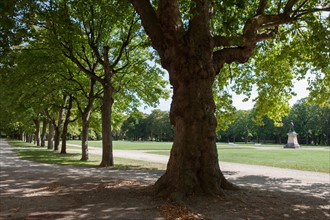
{"x": 273, "y": 178}
{"x": 37, "y": 190}
{"x": 30, "y": 190}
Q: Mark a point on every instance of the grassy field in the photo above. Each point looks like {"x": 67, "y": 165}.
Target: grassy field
{"x": 129, "y": 145}
{"x": 307, "y": 158}
{"x": 31, "y": 152}
{"x": 310, "y": 160}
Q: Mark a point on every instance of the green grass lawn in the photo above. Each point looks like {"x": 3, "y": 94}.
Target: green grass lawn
{"x": 310, "y": 159}
{"x": 130, "y": 145}
{"x": 31, "y": 152}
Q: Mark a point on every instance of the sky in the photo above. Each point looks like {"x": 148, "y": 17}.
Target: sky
{"x": 300, "y": 88}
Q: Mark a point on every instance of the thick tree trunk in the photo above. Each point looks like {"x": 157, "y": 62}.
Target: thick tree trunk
{"x": 44, "y": 132}
{"x": 51, "y": 134}
{"x": 193, "y": 166}
{"x": 106, "y": 111}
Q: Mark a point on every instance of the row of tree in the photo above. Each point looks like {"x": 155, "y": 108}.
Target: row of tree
{"x": 68, "y": 59}
{"x": 84, "y": 61}
{"x": 311, "y": 122}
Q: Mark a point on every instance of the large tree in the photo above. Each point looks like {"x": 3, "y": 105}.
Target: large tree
{"x": 195, "y": 40}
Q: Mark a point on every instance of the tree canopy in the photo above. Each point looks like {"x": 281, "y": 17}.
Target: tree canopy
{"x": 209, "y": 49}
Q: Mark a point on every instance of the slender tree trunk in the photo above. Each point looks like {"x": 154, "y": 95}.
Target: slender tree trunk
{"x": 65, "y": 125}
{"x": 30, "y": 138}
{"x": 86, "y": 114}
{"x": 51, "y": 134}
{"x": 37, "y": 132}
{"x": 23, "y": 136}
{"x": 59, "y": 126}
{"x": 64, "y": 135}
{"x": 44, "y": 132}
{"x": 57, "y": 137}
{"x": 84, "y": 135}
{"x": 106, "y": 111}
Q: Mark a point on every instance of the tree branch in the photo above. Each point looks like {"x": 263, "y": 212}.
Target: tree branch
{"x": 150, "y": 22}
{"x": 229, "y": 55}
{"x": 222, "y": 41}
{"x": 262, "y": 7}
{"x": 170, "y": 19}
{"x": 125, "y": 43}
{"x": 289, "y": 6}
{"x": 265, "y": 36}
{"x": 199, "y": 24}
{"x": 81, "y": 67}
{"x": 304, "y": 12}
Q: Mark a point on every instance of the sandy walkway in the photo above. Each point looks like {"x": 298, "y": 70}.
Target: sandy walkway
{"x": 257, "y": 176}
{"x": 31, "y": 190}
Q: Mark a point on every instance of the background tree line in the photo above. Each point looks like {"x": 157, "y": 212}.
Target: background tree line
{"x": 311, "y": 121}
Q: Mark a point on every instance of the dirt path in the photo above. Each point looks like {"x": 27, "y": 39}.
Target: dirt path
{"x": 31, "y": 190}
{"x": 287, "y": 180}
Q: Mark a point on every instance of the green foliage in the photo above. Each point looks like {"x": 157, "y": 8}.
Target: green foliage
{"x": 312, "y": 123}
{"x": 16, "y": 19}
{"x": 159, "y": 127}
{"x": 134, "y": 127}
{"x": 297, "y": 49}
{"x": 155, "y": 126}
{"x": 26, "y": 78}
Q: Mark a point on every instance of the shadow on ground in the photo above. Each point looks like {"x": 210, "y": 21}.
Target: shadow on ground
{"x": 39, "y": 191}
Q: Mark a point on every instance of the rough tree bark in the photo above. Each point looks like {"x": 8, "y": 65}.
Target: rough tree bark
{"x": 106, "y": 111}
{"x": 85, "y": 117}
{"x": 44, "y": 132}
{"x": 51, "y": 131}
{"x": 193, "y": 57}
{"x": 66, "y": 124}
{"x": 37, "y": 132}
{"x": 84, "y": 135}
{"x": 59, "y": 126}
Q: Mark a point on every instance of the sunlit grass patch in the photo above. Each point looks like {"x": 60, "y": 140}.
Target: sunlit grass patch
{"x": 42, "y": 155}
{"x": 130, "y": 145}
{"x": 299, "y": 159}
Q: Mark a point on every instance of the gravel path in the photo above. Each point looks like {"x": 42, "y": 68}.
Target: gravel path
{"x": 287, "y": 180}
{"x": 30, "y": 190}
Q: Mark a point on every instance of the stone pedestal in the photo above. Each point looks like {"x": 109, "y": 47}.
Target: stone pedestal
{"x": 292, "y": 140}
